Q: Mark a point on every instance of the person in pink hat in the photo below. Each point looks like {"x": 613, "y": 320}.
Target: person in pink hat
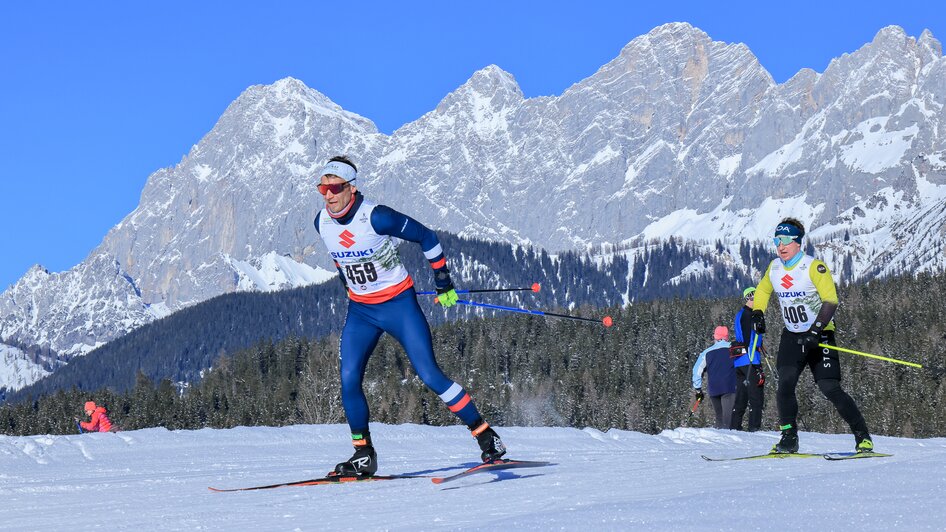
{"x": 98, "y": 421}
{"x": 721, "y": 382}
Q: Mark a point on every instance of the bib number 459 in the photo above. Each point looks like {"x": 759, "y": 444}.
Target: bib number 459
{"x": 361, "y": 273}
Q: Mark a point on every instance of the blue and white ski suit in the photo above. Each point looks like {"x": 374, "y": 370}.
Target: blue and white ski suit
{"x": 363, "y": 244}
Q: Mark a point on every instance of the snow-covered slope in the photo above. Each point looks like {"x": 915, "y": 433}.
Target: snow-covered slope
{"x": 157, "y": 480}
{"x": 18, "y": 369}
{"x": 679, "y": 135}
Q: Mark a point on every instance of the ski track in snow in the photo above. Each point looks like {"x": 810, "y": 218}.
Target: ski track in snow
{"x": 155, "y": 479}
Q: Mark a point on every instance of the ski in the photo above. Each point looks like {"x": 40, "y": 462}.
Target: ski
{"x": 495, "y": 465}
{"x": 763, "y": 456}
{"x": 826, "y": 456}
{"x": 332, "y": 479}
{"x": 853, "y": 455}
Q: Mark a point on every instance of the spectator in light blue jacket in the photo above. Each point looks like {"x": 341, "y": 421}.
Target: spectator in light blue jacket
{"x": 721, "y": 382}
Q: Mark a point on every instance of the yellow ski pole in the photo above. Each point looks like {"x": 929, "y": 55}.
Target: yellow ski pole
{"x": 878, "y": 357}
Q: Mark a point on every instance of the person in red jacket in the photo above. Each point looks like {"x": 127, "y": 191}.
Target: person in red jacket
{"x": 99, "y": 421}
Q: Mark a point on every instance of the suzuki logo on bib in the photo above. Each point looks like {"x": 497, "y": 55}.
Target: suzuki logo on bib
{"x": 787, "y": 281}
{"x": 348, "y": 240}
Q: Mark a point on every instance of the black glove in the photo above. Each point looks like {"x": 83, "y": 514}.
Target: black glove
{"x": 810, "y": 340}
{"x": 758, "y": 321}
{"x": 698, "y": 394}
{"x": 442, "y": 280}
{"x": 761, "y": 382}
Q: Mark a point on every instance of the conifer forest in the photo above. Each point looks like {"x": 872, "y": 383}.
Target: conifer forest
{"x": 540, "y": 371}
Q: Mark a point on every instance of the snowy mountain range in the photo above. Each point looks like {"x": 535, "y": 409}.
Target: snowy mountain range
{"x": 679, "y": 135}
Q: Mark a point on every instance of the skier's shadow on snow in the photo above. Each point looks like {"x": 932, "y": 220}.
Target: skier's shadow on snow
{"x": 500, "y": 476}
{"x": 466, "y": 465}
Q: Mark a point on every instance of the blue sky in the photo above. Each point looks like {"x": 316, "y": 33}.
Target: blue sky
{"x": 95, "y": 96}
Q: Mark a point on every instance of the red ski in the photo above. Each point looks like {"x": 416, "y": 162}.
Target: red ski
{"x": 495, "y": 465}
{"x": 332, "y": 479}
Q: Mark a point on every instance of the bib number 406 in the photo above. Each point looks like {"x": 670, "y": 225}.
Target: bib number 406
{"x": 361, "y": 273}
{"x": 795, "y": 314}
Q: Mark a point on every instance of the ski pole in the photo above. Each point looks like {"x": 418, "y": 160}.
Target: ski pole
{"x": 78, "y": 426}
{"x": 696, "y": 404}
{"x": 607, "y": 321}
{"x": 887, "y": 359}
{"x": 692, "y": 410}
{"x": 755, "y": 340}
{"x": 853, "y": 352}
{"x": 534, "y": 288}
{"x": 772, "y": 370}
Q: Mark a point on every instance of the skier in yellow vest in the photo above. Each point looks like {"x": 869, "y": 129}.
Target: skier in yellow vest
{"x": 808, "y": 299}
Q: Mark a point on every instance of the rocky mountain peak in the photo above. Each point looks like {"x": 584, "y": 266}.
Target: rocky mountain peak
{"x": 490, "y": 87}
{"x": 37, "y": 273}
{"x": 930, "y": 47}
{"x": 675, "y": 32}
{"x": 890, "y": 34}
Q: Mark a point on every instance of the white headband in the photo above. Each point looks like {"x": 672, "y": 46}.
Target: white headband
{"x": 340, "y": 169}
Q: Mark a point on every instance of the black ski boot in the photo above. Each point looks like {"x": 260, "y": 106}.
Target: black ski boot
{"x": 489, "y": 442}
{"x": 364, "y": 463}
{"x": 789, "y": 441}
